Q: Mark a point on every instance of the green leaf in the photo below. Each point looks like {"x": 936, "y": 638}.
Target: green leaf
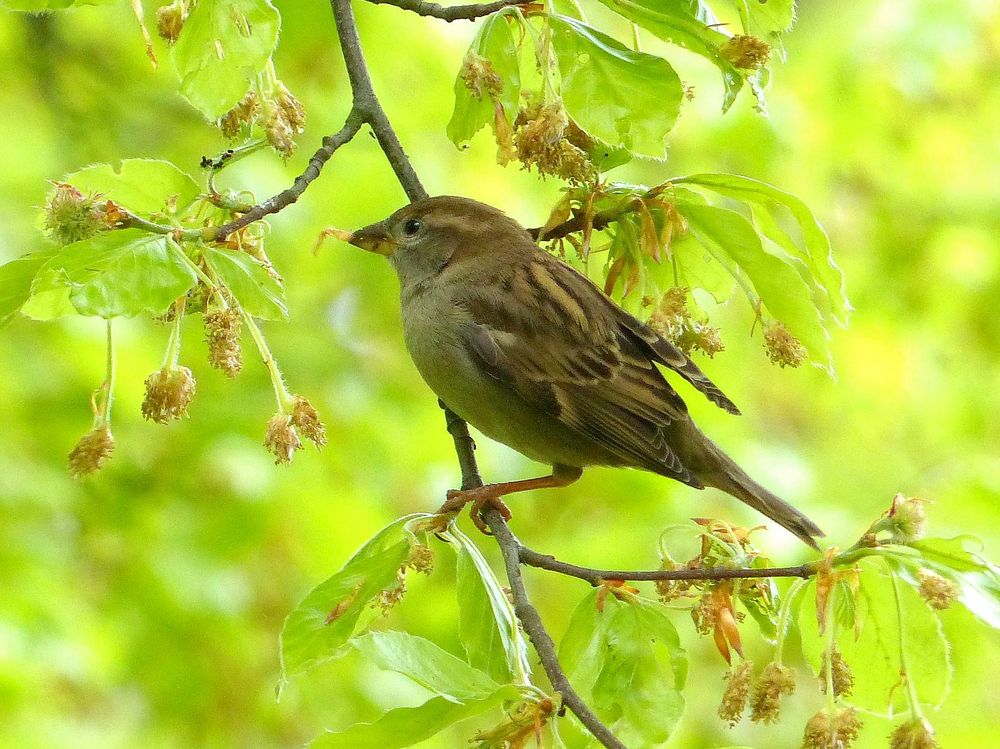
{"x": 223, "y": 45}
{"x": 621, "y": 96}
{"x": 812, "y": 249}
{"x": 627, "y": 661}
{"x": 488, "y": 628}
{"x": 876, "y": 655}
{"x": 117, "y": 274}
{"x": 731, "y": 238}
{"x": 143, "y": 186}
{"x": 320, "y": 626}
{"x": 427, "y": 664}
{"x": 674, "y": 22}
{"x": 406, "y": 726}
{"x": 38, "y": 5}
{"x": 249, "y": 281}
{"x": 494, "y": 42}
{"x": 15, "y": 282}
{"x": 978, "y": 580}
{"x": 767, "y": 20}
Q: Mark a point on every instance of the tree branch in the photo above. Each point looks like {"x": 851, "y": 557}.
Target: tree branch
{"x": 535, "y": 628}
{"x": 597, "y": 576}
{"x": 453, "y": 13}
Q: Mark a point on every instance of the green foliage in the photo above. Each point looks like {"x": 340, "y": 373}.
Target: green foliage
{"x": 148, "y": 187}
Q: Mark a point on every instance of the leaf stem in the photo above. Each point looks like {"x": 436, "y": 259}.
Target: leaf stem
{"x": 104, "y": 415}
{"x": 173, "y": 352}
{"x": 281, "y": 394}
{"x": 904, "y": 668}
{"x": 783, "y": 624}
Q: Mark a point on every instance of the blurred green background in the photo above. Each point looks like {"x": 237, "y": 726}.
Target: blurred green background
{"x": 141, "y": 607}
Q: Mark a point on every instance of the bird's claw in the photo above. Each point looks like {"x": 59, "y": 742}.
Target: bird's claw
{"x": 480, "y": 498}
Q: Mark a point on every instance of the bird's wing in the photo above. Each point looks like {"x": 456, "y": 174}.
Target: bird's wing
{"x": 570, "y": 352}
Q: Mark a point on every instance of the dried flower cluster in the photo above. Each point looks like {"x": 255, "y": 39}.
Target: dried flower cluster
{"x": 914, "y": 734}
{"x": 734, "y": 698}
{"x": 91, "y": 452}
{"x": 783, "y": 348}
{"x": 841, "y": 674}
{"x": 306, "y": 420}
{"x": 672, "y": 320}
{"x": 480, "y": 77}
{"x": 281, "y": 439}
{"x": 521, "y": 728}
{"x": 837, "y": 731}
{"x": 545, "y": 138}
{"x": 939, "y": 592}
{"x": 222, "y": 333}
{"x": 746, "y": 52}
{"x": 277, "y": 111}
{"x": 168, "y": 393}
{"x": 776, "y": 681}
{"x": 420, "y": 559}
{"x": 170, "y": 20}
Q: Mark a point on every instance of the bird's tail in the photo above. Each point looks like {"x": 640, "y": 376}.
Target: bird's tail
{"x": 732, "y": 479}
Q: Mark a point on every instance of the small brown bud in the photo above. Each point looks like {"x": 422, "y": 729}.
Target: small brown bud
{"x": 776, "y": 681}
{"x": 170, "y": 20}
{"x": 222, "y": 333}
{"x": 734, "y": 699}
{"x": 70, "y": 216}
{"x": 168, "y": 394}
{"x": 783, "y": 348}
{"x": 914, "y": 734}
{"x": 91, "y": 452}
{"x": 281, "y": 439}
{"x": 826, "y": 731}
{"x": 306, "y": 420}
{"x": 746, "y": 52}
{"x": 938, "y": 591}
{"x": 842, "y": 675}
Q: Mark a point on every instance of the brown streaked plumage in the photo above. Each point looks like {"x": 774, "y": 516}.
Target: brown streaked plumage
{"x": 534, "y": 355}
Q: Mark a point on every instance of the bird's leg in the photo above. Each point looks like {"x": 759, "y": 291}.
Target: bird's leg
{"x": 491, "y": 495}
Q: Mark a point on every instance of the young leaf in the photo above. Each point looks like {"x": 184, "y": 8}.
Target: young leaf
{"x": 40, "y": 5}
{"x": 730, "y": 237}
{"x": 321, "y": 624}
{"x": 488, "y": 628}
{"x": 118, "y": 274}
{"x": 406, "y": 726}
{"x": 224, "y": 44}
{"x": 621, "y": 96}
{"x": 427, "y": 664}
{"x": 143, "y": 186}
{"x": 257, "y": 291}
{"x": 675, "y": 22}
{"x": 15, "y": 282}
{"x": 494, "y": 43}
{"x": 818, "y": 268}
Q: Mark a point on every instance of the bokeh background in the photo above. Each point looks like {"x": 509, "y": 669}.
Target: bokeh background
{"x": 142, "y": 607}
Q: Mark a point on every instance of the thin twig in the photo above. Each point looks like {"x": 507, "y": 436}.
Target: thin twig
{"x": 453, "y": 13}
{"x": 540, "y": 638}
{"x": 597, "y": 576}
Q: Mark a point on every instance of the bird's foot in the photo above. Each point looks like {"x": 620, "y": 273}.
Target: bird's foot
{"x": 481, "y": 498}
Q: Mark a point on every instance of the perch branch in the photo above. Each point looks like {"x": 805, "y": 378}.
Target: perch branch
{"x": 453, "y": 13}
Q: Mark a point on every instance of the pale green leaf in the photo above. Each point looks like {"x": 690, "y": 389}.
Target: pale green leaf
{"x": 320, "y": 626}
{"x": 143, "y": 186}
{"x": 427, "y": 664}
{"x": 15, "y": 282}
{"x": 253, "y": 285}
{"x": 623, "y": 97}
{"x": 731, "y": 237}
{"x": 812, "y": 247}
{"x": 40, "y": 5}
{"x": 117, "y": 274}
{"x": 223, "y": 45}
{"x": 675, "y": 22}
{"x": 406, "y": 726}
{"x": 495, "y": 42}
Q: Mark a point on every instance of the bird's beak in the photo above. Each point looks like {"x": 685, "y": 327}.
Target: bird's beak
{"x": 374, "y": 238}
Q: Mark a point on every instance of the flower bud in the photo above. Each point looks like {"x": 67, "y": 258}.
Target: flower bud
{"x": 783, "y": 348}
{"x": 914, "y": 734}
{"x": 91, "y": 452}
{"x": 842, "y": 676}
{"x": 826, "y": 731}
{"x": 734, "y": 699}
{"x": 281, "y": 439}
{"x": 241, "y": 117}
{"x": 168, "y": 394}
{"x": 291, "y": 108}
{"x": 170, "y": 20}
{"x": 222, "y": 333}
{"x": 776, "y": 681}
{"x": 70, "y": 216}
{"x": 938, "y": 591}
{"x": 746, "y": 52}
{"x": 907, "y": 519}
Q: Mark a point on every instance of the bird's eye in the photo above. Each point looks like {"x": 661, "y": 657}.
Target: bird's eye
{"x": 412, "y": 226}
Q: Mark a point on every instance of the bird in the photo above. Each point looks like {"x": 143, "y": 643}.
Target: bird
{"x": 532, "y": 354}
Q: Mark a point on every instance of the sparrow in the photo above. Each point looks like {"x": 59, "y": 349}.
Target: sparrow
{"x": 534, "y": 355}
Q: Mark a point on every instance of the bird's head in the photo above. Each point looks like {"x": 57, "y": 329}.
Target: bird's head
{"x": 422, "y": 238}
